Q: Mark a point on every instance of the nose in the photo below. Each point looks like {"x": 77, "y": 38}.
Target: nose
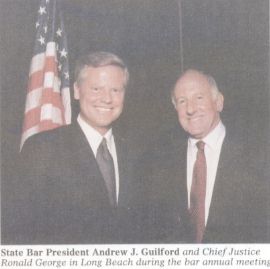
{"x": 106, "y": 96}
{"x": 190, "y": 107}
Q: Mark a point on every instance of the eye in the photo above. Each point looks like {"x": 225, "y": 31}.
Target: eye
{"x": 199, "y": 97}
{"x": 116, "y": 90}
{"x": 95, "y": 89}
{"x": 180, "y": 101}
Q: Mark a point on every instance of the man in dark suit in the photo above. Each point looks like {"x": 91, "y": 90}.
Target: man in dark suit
{"x": 73, "y": 185}
{"x": 201, "y": 187}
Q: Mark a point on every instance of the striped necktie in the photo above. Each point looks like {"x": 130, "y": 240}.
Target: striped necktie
{"x": 197, "y": 194}
{"x": 105, "y": 162}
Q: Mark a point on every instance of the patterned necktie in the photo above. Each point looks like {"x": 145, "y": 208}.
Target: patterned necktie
{"x": 197, "y": 194}
{"x": 105, "y": 162}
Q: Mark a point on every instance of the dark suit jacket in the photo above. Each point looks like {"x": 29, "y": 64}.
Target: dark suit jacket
{"x": 60, "y": 195}
{"x": 238, "y": 206}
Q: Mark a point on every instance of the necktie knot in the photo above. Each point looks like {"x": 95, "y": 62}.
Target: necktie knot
{"x": 103, "y": 148}
{"x": 200, "y": 145}
{"x": 103, "y": 142}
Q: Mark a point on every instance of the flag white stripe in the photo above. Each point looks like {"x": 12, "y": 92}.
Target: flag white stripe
{"x": 33, "y": 99}
{"x": 37, "y": 63}
{"x": 52, "y": 81}
{"x": 66, "y": 104}
{"x": 50, "y": 112}
{"x": 56, "y": 84}
{"x": 49, "y": 80}
{"x": 38, "y": 60}
{"x": 51, "y": 49}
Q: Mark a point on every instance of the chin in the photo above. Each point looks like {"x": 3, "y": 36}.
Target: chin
{"x": 105, "y": 125}
{"x": 196, "y": 135}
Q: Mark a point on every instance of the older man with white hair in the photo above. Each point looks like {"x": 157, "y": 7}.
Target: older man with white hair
{"x": 201, "y": 188}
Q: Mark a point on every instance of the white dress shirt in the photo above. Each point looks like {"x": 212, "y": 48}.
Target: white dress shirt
{"x": 213, "y": 143}
{"x": 94, "y": 139}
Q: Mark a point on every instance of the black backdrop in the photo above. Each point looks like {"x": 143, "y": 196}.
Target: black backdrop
{"x": 226, "y": 38}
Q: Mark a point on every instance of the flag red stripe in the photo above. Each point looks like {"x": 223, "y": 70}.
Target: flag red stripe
{"x": 48, "y": 65}
{"x": 54, "y": 98}
{"x": 49, "y": 96}
{"x": 36, "y": 79}
{"x": 32, "y": 117}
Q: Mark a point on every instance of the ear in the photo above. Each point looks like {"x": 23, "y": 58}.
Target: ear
{"x": 219, "y": 102}
{"x": 173, "y": 102}
{"x": 76, "y": 91}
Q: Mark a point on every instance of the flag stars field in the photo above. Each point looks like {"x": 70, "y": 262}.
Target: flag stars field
{"x": 59, "y": 32}
{"x": 42, "y": 10}
{"x": 63, "y": 53}
{"x": 41, "y": 40}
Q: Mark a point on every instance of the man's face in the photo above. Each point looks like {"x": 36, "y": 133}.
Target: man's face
{"x": 101, "y": 93}
{"x": 197, "y": 107}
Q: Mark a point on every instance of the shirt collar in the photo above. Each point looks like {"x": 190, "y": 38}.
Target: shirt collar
{"x": 212, "y": 138}
{"x": 94, "y": 138}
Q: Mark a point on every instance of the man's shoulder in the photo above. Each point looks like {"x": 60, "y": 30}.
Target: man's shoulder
{"x": 236, "y": 146}
{"x": 50, "y": 138}
{"x": 237, "y": 159}
{"x": 57, "y": 132}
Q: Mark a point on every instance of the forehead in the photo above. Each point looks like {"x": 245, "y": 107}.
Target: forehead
{"x": 111, "y": 69}
{"x": 192, "y": 83}
{"x": 102, "y": 72}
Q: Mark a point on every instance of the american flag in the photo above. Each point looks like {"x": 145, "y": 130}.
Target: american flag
{"x": 48, "y": 96}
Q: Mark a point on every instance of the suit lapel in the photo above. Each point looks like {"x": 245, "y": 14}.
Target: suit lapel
{"x": 124, "y": 172}
{"x": 222, "y": 193}
{"x": 86, "y": 165}
{"x": 219, "y": 186}
{"x": 179, "y": 157}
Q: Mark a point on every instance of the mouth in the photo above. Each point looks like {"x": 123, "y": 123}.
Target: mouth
{"x": 104, "y": 109}
{"x": 195, "y": 119}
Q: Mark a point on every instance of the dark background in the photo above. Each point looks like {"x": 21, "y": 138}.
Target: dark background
{"x": 227, "y": 38}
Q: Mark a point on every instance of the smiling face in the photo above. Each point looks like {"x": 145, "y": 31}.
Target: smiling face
{"x": 101, "y": 93}
{"x": 197, "y": 104}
